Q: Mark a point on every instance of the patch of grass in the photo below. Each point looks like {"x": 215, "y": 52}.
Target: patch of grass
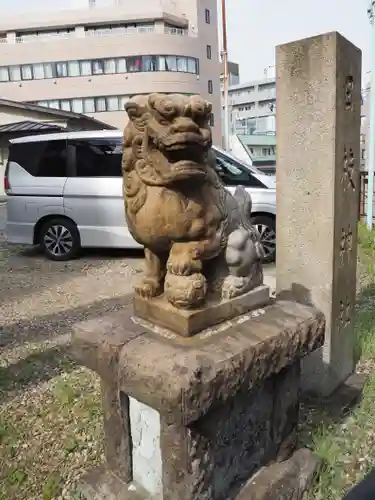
{"x": 35, "y": 368}
{"x": 49, "y": 435}
{"x": 71, "y": 445}
{"x": 17, "y": 477}
{"x": 346, "y": 449}
{"x": 8, "y": 433}
{"x": 366, "y": 237}
{"x": 52, "y": 487}
{"x": 65, "y": 393}
{"x": 366, "y": 248}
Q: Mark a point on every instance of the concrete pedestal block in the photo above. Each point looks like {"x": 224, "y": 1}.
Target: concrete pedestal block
{"x": 200, "y": 415}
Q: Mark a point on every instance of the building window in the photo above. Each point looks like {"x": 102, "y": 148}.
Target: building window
{"x": 207, "y": 16}
{"x": 89, "y": 105}
{"x": 363, "y": 154}
{"x": 85, "y": 68}
{"x": 212, "y": 120}
{"x": 98, "y": 67}
{"x": 4, "y": 75}
{"x": 134, "y": 64}
{"x": 149, "y": 63}
{"x": 61, "y": 70}
{"x": 49, "y": 70}
{"x": 131, "y": 64}
{"x": 27, "y": 72}
{"x": 210, "y": 87}
{"x": 38, "y": 70}
{"x": 209, "y": 51}
{"x": 110, "y": 66}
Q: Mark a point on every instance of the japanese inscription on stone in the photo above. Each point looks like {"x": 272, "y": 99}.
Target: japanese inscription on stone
{"x": 345, "y": 313}
{"x": 349, "y": 86}
{"x": 346, "y": 244}
{"x": 347, "y": 177}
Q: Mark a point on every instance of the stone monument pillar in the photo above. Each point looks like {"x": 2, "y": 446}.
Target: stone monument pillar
{"x": 318, "y": 148}
{"x": 201, "y": 374}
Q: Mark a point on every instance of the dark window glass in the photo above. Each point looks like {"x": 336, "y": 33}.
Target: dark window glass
{"x": 98, "y": 67}
{"x": 209, "y": 52}
{"x": 149, "y": 63}
{"x": 61, "y": 69}
{"x": 193, "y": 65}
{"x": 4, "y": 74}
{"x": 98, "y": 157}
{"x": 210, "y": 87}
{"x": 134, "y": 64}
{"x": 212, "y": 120}
{"x": 207, "y": 16}
{"x": 27, "y": 72}
{"x": 232, "y": 174}
{"x": 41, "y": 159}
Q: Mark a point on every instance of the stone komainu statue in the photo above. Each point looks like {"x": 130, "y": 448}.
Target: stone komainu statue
{"x": 198, "y": 238}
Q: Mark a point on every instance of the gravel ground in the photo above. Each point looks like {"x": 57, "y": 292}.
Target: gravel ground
{"x": 50, "y": 421}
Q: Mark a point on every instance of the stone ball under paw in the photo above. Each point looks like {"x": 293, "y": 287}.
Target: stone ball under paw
{"x": 185, "y": 292}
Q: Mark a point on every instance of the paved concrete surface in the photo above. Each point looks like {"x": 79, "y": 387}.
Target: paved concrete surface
{"x": 40, "y": 299}
{"x": 3, "y": 216}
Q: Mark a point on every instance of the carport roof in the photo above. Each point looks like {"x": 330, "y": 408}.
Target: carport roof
{"x": 56, "y": 113}
{"x": 29, "y": 126}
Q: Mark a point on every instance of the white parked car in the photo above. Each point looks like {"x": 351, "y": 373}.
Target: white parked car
{"x": 65, "y": 193}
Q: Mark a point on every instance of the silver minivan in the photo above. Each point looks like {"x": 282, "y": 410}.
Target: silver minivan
{"x": 64, "y": 193}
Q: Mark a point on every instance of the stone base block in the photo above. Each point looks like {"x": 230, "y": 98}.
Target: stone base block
{"x": 102, "y": 484}
{"x": 187, "y": 322}
{"x": 288, "y": 480}
{"x": 199, "y": 416}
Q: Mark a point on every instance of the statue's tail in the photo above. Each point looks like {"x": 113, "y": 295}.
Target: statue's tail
{"x": 244, "y": 203}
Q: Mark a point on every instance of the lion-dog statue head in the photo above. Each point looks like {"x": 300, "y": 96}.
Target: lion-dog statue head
{"x": 168, "y": 138}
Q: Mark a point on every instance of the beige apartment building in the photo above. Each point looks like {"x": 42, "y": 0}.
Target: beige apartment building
{"x": 92, "y": 59}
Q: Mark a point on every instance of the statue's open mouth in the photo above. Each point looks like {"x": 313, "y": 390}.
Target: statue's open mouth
{"x": 185, "y": 150}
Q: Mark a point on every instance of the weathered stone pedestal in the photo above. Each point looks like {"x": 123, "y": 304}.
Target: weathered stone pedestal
{"x": 196, "y": 418}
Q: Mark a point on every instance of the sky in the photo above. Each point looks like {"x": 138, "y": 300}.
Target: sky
{"x": 255, "y": 27}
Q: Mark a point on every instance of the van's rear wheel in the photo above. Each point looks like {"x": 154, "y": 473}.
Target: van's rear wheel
{"x": 59, "y": 239}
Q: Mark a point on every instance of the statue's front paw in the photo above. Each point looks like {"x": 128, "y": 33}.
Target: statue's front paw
{"x": 148, "y": 288}
{"x": 233, "y": 286}
{"x": 185, "y": 292}
{"x": 184, "y": 265}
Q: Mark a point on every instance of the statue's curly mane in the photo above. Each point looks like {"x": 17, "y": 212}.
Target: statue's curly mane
{"x": 135, "y": 191}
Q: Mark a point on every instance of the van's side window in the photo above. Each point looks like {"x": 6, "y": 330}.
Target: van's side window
{"x": 98, "y": 157}
{"x": 42, "y": 158}
{"x": 232, "y": 174}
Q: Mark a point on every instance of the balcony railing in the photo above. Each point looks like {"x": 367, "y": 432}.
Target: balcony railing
{"x": 120, "y": 31}
{"x": 43, "y": 38}
{"x": 176, "y": 31}
{"x": 140, "y": 30}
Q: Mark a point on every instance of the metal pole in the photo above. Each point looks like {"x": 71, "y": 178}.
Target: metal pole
{"x": 371, "y": 155}
{"x": 225, "y": 76}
